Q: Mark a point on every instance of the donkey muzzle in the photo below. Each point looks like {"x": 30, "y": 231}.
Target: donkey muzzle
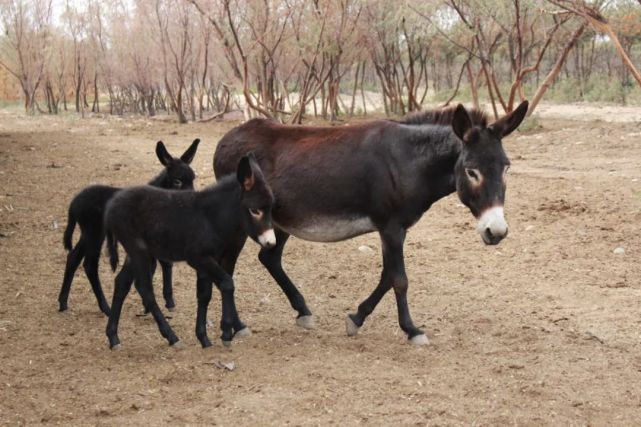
{"x": 267, "y": 239}
{"x": 492, "y": 225}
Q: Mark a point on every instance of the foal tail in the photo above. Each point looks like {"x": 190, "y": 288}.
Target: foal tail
{"x": 71, "y": 226}
{"x": 112, "y": 247}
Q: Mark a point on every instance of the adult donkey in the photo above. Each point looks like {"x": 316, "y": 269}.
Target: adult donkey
{"x": 334, "y": 183}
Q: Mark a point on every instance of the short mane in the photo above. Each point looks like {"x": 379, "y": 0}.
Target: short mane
{"x": 443, "y": 116}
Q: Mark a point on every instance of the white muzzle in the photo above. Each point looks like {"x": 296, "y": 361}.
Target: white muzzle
{"x": 268, "y": 238}
{"x": 492, "y": 225}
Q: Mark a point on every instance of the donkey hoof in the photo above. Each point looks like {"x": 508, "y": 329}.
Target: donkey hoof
{"x": 116, "y": 347}
{"x": 245, "y": 332}
{"x": 226, "y": 343}
{"x": 419, "y": 340}
{"x": 351, "y": 327}
{"x": 171, "y": 309}
{"x": 306, "y": 322}
{"x": 178, "y": 345}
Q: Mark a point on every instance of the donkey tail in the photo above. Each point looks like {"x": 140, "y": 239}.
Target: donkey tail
{"x": 112, "y": 247}
{"x": 71, "y": 226}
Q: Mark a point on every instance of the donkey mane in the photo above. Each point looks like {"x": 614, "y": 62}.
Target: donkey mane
{"x": 443, "y": 116}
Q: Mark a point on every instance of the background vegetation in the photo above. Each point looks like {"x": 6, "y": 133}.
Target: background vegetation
{"x": 289, "y": 59}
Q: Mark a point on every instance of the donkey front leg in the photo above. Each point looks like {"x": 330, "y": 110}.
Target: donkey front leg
{"x": 209, "y": 270}
{"x": 272, "y": 260}
{"x": 393, "y": 276}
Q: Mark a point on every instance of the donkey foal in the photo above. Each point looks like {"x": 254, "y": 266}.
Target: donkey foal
{"x": 87, "y": 209}
{"x": 207, "y": 229}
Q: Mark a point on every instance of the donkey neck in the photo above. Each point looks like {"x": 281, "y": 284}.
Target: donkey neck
{"x": 437, "y": 149}
{"x": 221, "y": 204}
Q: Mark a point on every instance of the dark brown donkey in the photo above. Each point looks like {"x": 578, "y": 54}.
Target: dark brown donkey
{"x": 334, "y": 183}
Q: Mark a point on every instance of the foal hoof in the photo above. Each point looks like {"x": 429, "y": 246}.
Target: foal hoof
{"x": 171, "y": 309}
{"x": 351, "y": 327}
{"x": 116, "y": 347}
{"x": 245, "y": 332}
{"x": 419, "y": 340}
{"x": 226, "y": 343}
{"x": 178, "y": 345}
{"x": 306, "y": 322}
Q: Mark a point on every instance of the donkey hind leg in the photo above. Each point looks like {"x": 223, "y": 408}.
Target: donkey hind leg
{"x": 203, "y": 294}
{"x": 152, "y": 270}
{"x": 74, "y": 257}
{"x": 272, "y": 260}
{"x": 228, "y": 263}
{"x": 122, "y": 285}
{"x": 208, "y": 271}
{"x": 393, "y": 276}
{"x": 167, "y": 288}
{"x": 142, "y": 267}
{"x": 90, "y": 265}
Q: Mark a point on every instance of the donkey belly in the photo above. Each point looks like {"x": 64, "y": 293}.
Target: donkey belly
{"x": 328, "y": 229}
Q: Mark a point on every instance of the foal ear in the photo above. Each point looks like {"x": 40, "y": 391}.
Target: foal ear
{"x": 162, "y": 153}
{"x": 461, "y": 121}
{"x": 508, "y": 123}
{"x": 188, "y": 155}
{"x": 245, "y": 173}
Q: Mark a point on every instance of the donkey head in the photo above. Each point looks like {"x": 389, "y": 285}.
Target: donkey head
{"x": 481, "y": 168}
{"x": 178, "y": 174}
{"x": 257, "y": 201}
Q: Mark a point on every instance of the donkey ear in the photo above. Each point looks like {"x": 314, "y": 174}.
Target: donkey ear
{"x": 188, "y": 155}
{"x": 162, "y": 153}
{"x": 245, "y": 174}
{"x": 508, "y": 123}
{"x": 461, "y": 121}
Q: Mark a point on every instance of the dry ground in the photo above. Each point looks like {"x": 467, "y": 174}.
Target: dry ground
{"x": 542, "y": 329}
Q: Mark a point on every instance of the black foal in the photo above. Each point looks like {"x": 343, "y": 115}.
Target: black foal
{"x": 88, "y": 208}
{"x": 207, "y": 229}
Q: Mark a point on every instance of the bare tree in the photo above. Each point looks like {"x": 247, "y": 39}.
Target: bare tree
{"x": 25, "y": 47}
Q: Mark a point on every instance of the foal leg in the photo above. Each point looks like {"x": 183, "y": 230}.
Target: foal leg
{"x": 90, "y": 265}
{"x": 393, "y": 276}
{"x": 203, "y": 294}
{"x": 208, "y": 270}
{"x": 228, "y": 263}
{"x": 122, "y": 285}
{"x": 73, "y": 261}
{"x": 142, "y": 267}
{"x": 272, "y": 260}
{"x": 167, "y": 289}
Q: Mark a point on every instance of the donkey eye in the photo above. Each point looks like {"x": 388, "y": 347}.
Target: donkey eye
{"x": 256, "y": 213}
{"x": 177, "y": 183}
{"x": 474, "y": 175}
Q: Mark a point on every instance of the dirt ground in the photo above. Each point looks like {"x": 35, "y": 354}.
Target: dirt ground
{"x": 543, "y": 329}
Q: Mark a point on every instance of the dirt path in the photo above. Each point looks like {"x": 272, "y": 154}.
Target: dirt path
{"x": 543, "y": 329}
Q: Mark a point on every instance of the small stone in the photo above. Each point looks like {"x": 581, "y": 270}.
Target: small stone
{"x": 264, "y": 300}
{"x": 529, "y": 228}
{"x": 619, "y": 251}
{"x": 365, "y": 249}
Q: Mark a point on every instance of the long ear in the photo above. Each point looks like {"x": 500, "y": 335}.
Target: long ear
{"x": 162, "y": 153}
{"x": 188, "y": 155}
{"x": 508, "y": 123}
{"x": 461, "y": 121}
{"x": 245, "y": 174}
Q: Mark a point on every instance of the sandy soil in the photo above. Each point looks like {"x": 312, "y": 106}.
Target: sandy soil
{"x": 542, "y": 329}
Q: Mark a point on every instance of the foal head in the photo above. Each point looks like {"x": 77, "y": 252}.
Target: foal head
{"x": 257, "y": 200}
{"x": 178, "y": 174}
{"x": 481, "y": 169}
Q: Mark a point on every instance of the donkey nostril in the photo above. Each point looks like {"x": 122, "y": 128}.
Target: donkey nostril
{"x": 488, "y": 232}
